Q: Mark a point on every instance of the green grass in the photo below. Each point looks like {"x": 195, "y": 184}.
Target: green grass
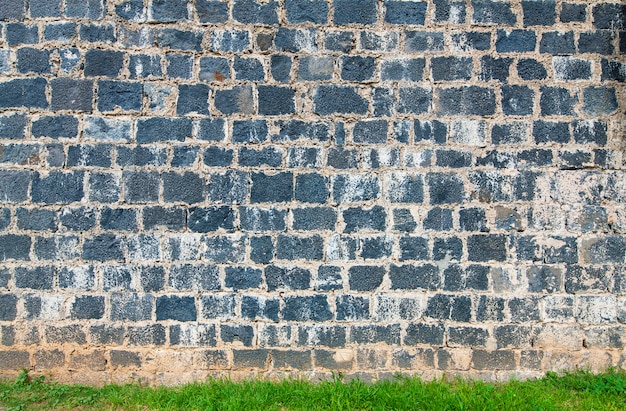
{"x": 580, "y": 390}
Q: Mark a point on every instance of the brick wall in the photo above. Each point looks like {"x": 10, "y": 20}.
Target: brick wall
{"x": 195, "y": 187}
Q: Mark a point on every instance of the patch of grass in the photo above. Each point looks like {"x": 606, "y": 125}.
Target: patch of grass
{"x": 579, "y": 390}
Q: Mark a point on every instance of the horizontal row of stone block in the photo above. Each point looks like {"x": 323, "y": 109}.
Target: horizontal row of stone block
{"x": 366, "y": 364}
{"x": 337, "y": 12}
{"x": 286, "y": 40}
{"x": 359, "y": 68}
{"x": 147, "y": 131}
{"x": 290, "y": 41}
{"x": 279, "y": 67}
{"x": 533, "y": 220}
{"x": 301, "y": 244}
{"x": 380, "y": 308}
{"x": 571, "y": 337}
{"x": 327, "y": 100}
{"x": 591, "y": 219}
{"x": 553, "y": 272}
{"x": 240, "y": 187}
{"x": 157, "y": 158}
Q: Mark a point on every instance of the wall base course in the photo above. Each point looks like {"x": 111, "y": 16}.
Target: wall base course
{"x": 75, "y": 364}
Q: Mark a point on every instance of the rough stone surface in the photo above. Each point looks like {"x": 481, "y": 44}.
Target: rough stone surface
{"x": 301, "y": 187}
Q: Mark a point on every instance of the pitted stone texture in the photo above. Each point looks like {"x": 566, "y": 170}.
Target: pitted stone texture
{"x": 311, "y": 186}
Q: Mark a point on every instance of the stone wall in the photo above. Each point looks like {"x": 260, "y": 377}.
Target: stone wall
{"x": 280, "y": 187}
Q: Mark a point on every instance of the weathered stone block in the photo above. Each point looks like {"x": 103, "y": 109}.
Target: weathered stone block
{"x": 365, "y": 278}
{"x": 220, "y": 307}
{"x": 14, "y": 360}
{"x": 87, "y": 307}
{"x": 330, "y": 99}
{"x": 558, "y": 43}
{"x": 120, "y": 358}
{"x": 493, "y": 360}
{"x": 177, "y": 308}
{"x": 358, "y": 219}
{"x": 411, "y": 277}
{"x": 29, "y": 93}
{"x": 372, "y": 334}
{"x": 287, "y": 278}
